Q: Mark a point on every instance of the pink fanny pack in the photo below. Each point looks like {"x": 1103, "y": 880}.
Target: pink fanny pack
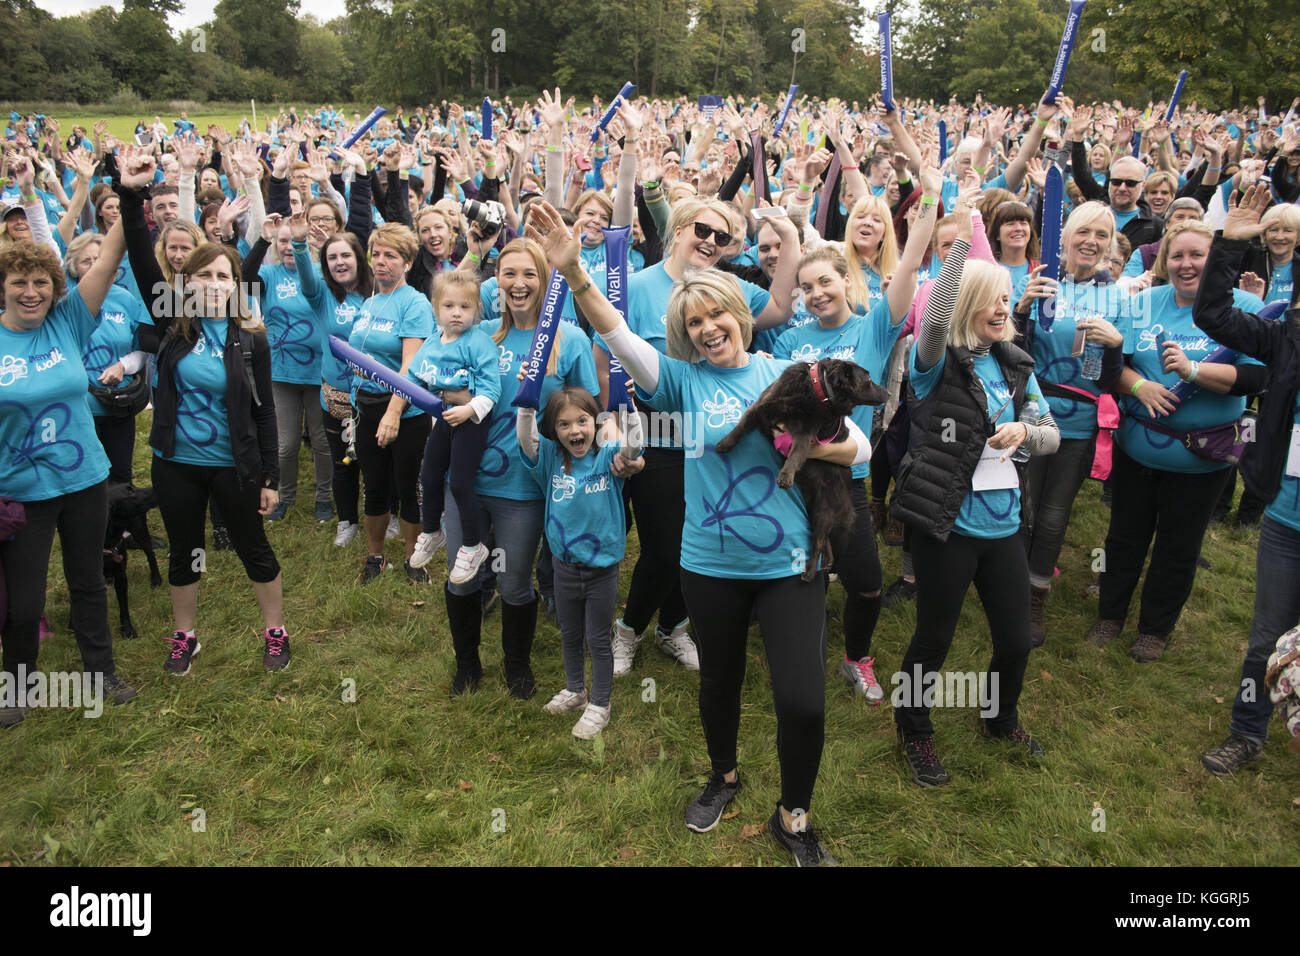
{"x": 784, "y": 442}
{"x": 1107, "y": 422}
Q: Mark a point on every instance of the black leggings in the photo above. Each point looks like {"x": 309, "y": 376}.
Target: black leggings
{"x": 453, "y": 454}
{"x": 658, "y": 498}
{"x": 999, "y": 569}
{"x": 857, "y": 562}
{"x": 81, "y": 518}
{"x": 399, "y": 462}
{"x": 346, "y": 479}
{"x": 183, "y": 492}
{"x": 791, "y": 613}
{"x": 117, "y": 435}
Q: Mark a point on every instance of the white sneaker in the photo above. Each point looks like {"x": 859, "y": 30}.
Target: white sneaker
{"x": 426, "y": 546}
{"x": 468, "y": 561}
{"x": 861, "y": 675}
{"x": 565, "y": 701}
{"x": 625, "y": 643}
{"x": 346, "y": 533}
{"x": 679, "y": 646}
{"x": 394, "y": 529}
{"x": 594, "y": 719}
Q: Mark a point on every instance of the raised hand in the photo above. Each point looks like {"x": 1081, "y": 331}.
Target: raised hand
{"x": 82, "y": 162}
{"x": 547, "y": 229}
{"x": 271, "y": 226}
{"x": 298, "y": 226}
{"x": 1244, "y": 211}
{"x": 230, "y": 211}
{"x": 318, "y": 166}
{"x": 137, "y": 168}
{"x": 187, "y": 154}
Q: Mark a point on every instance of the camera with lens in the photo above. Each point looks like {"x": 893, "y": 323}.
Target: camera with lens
{"x": 490, "y": 215}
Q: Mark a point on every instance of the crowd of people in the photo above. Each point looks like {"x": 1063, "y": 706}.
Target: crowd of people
{"x": 703, "y": 249}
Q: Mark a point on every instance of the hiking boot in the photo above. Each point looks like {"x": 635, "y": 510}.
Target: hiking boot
{"x": 805, "y": 846}
{"x": 1018, "y": 736}
{"x": 117, "y": 691}
{"x": 1229, "y": 755}
{"x": 893, "y": 533}
{"x": 901, "y": 590}
{"x": 704, "y": 812}
{"x": 1148, "y": 648}
{"x": 182, "y": 652}
{"x": 1037, "y": 615}
{"x": 924, "y": 763}
{"x": 221, "y": 538}
{"x": 1104, "y": 631}
{"x": 375, "y": 565}
{"x": 276, "y": 657}
{"x": 861, "y": 675}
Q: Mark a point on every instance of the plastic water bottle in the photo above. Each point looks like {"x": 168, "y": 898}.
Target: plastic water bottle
{"x": 1091, "y": 362}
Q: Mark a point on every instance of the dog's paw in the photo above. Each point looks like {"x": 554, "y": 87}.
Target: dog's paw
{"x": 155, "y": 580}
{"x": 726, "y": 445}
{"x": 129, "y": 632}
{"x": 785, "y": 479}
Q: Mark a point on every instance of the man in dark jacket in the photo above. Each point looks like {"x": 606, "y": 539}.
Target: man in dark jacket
{"x": 1123, "y": 192}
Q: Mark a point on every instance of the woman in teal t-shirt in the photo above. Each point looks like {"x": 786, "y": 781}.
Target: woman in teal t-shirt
{"x": 1159, "y": 487}
{"x": 745, "y": 539}
{"x": 52, "y": 461}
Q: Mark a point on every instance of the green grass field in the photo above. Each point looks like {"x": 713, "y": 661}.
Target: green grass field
{"x": 286, "y": 772}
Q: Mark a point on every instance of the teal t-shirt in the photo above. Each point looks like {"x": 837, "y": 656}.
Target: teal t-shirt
{"x": 202, "y": 418}
{"x": 1157, "y": 319}
{"x": 382, "y": 322}
{"x": 501, "y": 474}
{"x": 866, "y": 341}
{"x": 468, "y": 361}
{"x": 1019, "y": 278}
{"x": 1281, "y": 284}
{"x": 993, "y": 513}
{"x": 48, "y": 445}
{"x": 584, "y": 508}
{"x": 1122, "y": 219}
{"x": 1286, "y": 506}
{"x": 1077, "y": 418}
{"x": 291, "y": 327}
{"x": 739, "y": 522}
{"x": 116, "y": 335}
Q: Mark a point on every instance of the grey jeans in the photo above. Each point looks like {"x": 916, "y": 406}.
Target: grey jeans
{"x": 291, "y": 403}
{"x": 584, "y": 602}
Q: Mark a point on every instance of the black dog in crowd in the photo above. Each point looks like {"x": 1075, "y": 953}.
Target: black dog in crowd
{"x": 128, "y": 527}
{"x": 810, "y": 401}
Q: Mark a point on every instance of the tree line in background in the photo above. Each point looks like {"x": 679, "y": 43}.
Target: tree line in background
{"x": 413, "y": 51}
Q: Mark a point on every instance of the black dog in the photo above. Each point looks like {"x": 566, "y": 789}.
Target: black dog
{"x": 128, "y": 527}
{"x": 811, "y": 402}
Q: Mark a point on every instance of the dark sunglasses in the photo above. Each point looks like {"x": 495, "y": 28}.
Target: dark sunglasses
{"x": 703, "y": 232}
{"x": 1130, "y": 183}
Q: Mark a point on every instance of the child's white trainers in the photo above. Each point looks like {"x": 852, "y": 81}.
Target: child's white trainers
{"x": 426, "y": 546}
{"x": 594, "y": 719}
{"x": 468, "y": 561}
{"x": 566, "y": 701}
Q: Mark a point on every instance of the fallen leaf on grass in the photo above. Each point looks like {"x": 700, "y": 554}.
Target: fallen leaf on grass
{"x": 281, "y": 700}
{"x": 1296, "y": 803}
{"x": 752, "y": 830}
{"x": 417, "y": 604}
{"x": 626, "y": 853}
{"x": 1046, "y": 676}
{"x": 466, "y": 785}
{"x": 493, "y": 758}
{"x": 1218, "y": 700}
{"x": 732, "y": 815}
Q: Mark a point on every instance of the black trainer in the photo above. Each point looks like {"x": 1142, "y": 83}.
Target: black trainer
{"x": 1018, "y": 736}
{"x": 375, "y": 565}
{"x": 704, "y": 812}
{"x": 276, "y": 657}
{"x": 901, "y": 590}
{"x": 807, "y": 849}
{"x": 466, "y": 680}
{"x": 416, "y": 575}
{"x": 924, "y": 763}
{"x": 182, "y": 652}
{"x": 1229, "y": 755}
{"x": 117, "y": 691}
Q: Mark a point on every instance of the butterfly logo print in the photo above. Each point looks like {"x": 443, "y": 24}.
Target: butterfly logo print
{"x": 563, "y": 487}
{"x": 724, "y": 410}
{"x": 806, "y": 353}
{"x": 736, "y": 511}
{"x": 294, "y": 341}
{"x": 12, "y": 369}
{"x": 60, "y": 455}
{"x": 507, "y": 361}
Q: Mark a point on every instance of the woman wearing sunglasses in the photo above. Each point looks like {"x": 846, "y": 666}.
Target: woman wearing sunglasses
{"x": 697, "y": 233}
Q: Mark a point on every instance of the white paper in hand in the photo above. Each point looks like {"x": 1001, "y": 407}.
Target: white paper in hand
{"x": 991, "y": 474}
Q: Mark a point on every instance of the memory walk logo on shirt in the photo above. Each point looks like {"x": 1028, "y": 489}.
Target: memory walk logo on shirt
{"x": 286, "y": 288}
{"x": 723, "y": 410}
{"x": 345, "y": 313}
{"x": 507, "y": 360}
{"x": 47, "y": 361}
{"x": 1153, "y": 339}
{"x": 563, "y": 487}
{"x": 806, "y": 353}
{"x": 117, "y": 318}
{"x": 201, "y": 347}
{"x": 595, "y": 484}
{"x": 12, "y": 369}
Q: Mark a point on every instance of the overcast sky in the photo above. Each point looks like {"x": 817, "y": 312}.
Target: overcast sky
{"x": 193, "y": 13}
